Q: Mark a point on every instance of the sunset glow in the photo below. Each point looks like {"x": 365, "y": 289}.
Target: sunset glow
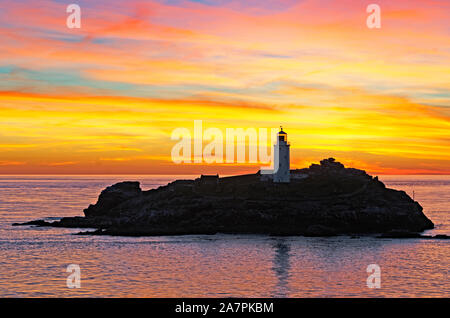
{"x": 105, "y": 98}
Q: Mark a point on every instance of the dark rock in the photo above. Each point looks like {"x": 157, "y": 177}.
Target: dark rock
{"x": 96, "y": 232}
{"x": 113, "y": 196}
{"x": 36, "y": 222}
{"x": 331, "y": 163}
{"x": 400, "y": 234}
{"x": 319, "y": 230}
{"x": 406, "y": 234}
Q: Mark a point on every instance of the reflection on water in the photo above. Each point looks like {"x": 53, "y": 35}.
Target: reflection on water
{"x": 33, "y": 260}
{"x": 281, "y": 267}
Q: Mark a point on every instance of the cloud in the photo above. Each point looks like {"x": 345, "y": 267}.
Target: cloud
{"x": 137, "y": 69}
{"x": 11, "y": 163}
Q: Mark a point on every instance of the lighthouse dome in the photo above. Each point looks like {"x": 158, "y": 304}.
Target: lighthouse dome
{"x": 282, "y": 135}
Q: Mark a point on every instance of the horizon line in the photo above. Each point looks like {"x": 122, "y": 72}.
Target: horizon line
{"x": 186, "y": 174}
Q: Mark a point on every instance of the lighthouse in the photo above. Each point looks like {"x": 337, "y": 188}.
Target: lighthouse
{"x": 281, "y": 158}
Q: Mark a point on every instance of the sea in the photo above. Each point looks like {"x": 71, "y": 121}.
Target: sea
{"x": 34, "y": 261}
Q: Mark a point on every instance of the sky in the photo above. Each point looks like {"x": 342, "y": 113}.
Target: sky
{"x": 105, "y": 98}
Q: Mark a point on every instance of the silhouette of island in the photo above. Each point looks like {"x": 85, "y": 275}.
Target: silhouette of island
{"x": 325, "y": 199}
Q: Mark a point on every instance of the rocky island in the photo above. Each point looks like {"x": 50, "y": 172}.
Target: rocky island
{"x": 325, "y": 199}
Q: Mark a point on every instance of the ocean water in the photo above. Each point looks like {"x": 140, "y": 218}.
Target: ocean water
{"x": 33, "y": 260}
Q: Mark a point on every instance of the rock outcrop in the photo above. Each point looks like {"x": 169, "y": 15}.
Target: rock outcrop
{"x": 327, "y": 200}
{"x": 113, "y": 196}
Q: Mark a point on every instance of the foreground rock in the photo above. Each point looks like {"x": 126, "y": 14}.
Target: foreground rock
{"x": 407, "y": 234}
{"x": 322, "y": 200}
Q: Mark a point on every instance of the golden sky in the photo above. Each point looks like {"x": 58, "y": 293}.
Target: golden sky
{"x": 105, "y": 98}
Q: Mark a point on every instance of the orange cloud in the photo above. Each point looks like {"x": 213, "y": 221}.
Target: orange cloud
{"x": 105, "y": 98}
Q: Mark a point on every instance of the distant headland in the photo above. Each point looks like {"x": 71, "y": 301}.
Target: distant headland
{"x": 325, "y": 199}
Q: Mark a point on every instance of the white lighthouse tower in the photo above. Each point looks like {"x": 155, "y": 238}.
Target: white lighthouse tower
{"x": 281, "y": 159}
